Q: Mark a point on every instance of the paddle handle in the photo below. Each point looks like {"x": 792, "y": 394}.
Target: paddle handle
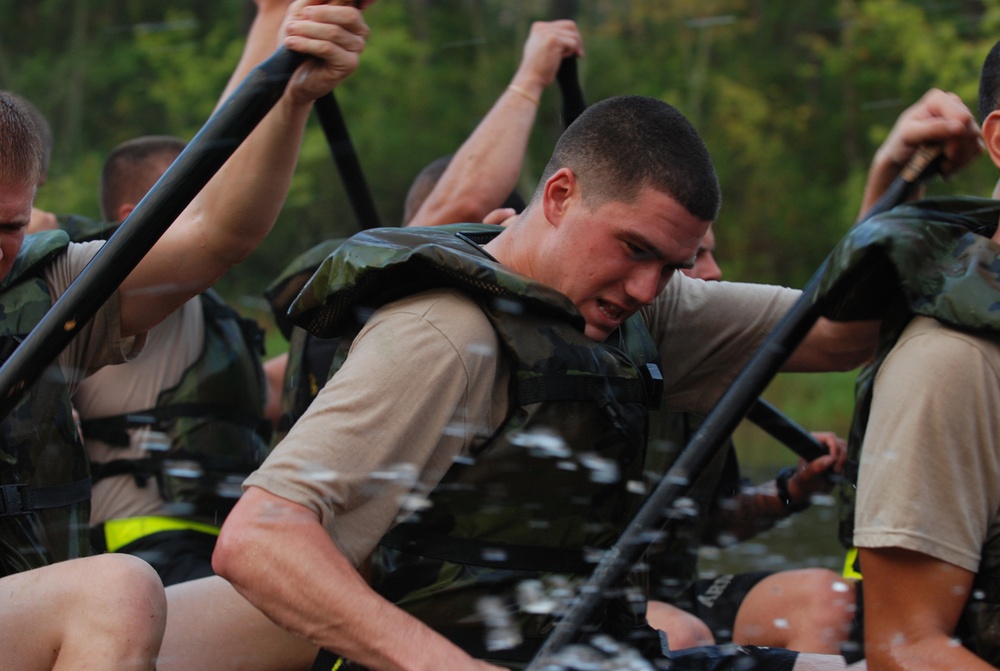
{"x": 573, "y": 102}
{"x": 224, "y": 131}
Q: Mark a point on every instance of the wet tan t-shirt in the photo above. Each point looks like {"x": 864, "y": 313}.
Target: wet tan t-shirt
{"x": 422, "y": 384}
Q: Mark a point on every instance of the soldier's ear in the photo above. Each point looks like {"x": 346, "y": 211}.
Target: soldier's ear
{"x": 561, "y": 189}
{"x": 124, "y": 210}
{"x": 991, "y": 136}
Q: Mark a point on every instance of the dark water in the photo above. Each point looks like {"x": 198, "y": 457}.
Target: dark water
{"x": 806, "y": 539}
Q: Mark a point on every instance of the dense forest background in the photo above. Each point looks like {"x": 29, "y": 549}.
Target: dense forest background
{"x": 791, "y": 97}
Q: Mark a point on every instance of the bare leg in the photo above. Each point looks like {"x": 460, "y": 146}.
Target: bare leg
{"x": 103, "y": 613}
{"x": 683, "y": 629}
{"x": 210, "y": 627}
{"x": 810, "y": 662}
{"x": 809, "y": 610}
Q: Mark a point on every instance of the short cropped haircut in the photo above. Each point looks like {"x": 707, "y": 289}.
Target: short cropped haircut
{"x": 989, "y": 83}
{"x": 133, "y": 167}
{"x": 44, "y": 130}
{"x": 22, "y": 152}
{"x": 622, "y": 145}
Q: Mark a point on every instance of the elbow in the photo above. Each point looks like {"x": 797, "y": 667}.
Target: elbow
{"x": 227, "y": 548}
{"x": 236, "y": 556}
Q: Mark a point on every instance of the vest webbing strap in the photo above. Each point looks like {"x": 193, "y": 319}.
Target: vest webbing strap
{"x": 142, "y": 469}
{"x": 986, "y": 588}
{"x": 114, "y": 430}
{"x": 22, "y": 499}
{"x": 539, "y": 388}
{"x": 119, "y": 533}
{"x": 328, "y": 661}
{"x": 413, "y": 540}
{"x": 852, "y": 569}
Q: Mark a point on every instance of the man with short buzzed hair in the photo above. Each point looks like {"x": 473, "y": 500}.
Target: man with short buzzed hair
{"x": 488, "y": 424}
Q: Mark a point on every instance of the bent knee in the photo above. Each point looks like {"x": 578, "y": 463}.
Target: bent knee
{"x": 683, "y": 629}
{"x": 124, "y": 587}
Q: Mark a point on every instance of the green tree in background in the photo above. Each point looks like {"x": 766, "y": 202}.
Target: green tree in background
{"x": 792, "y": 98}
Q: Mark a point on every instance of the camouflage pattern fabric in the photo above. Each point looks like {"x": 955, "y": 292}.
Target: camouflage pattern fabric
{"x": 39, "y": 445}
{"x": 310, "y": 359}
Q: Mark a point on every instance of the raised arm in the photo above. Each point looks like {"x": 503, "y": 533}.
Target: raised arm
{"x": 262, "y": 40}
{"x": 486, "y": 167}
{"x": 938, "y": 117}
{"x": 237, "y": 208}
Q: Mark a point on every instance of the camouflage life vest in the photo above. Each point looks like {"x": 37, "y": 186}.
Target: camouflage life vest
{"x": 44, "y": 479}
{"x": 212, "y": 418}
{"x": 931, "y": 258}
{"x": 553, "y": 486}
{"x": 310, "y": 359}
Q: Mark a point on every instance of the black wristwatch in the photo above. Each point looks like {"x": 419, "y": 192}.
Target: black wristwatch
{"x": 781, "y": 484}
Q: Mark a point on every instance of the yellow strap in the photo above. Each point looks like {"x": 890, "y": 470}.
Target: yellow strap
{"x": 121, "y": 532}
{"x": 851, "y": 568}
{"x": 340, "y": 663}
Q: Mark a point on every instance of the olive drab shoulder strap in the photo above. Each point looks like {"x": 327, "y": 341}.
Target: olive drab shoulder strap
{"x": 44, "y": 480}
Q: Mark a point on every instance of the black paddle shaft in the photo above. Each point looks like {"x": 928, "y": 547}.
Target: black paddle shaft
{"x": 344, "y": 155}
{"x": 783, "y": 429}
{"x": 762, "y": 366}
{"x": 224, "y": 131}
{"x": 573, "y": 103}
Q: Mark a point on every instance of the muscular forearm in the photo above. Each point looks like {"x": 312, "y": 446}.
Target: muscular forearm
{"x": 485, "y": 169}
{"x": 942, "y": 654}
{"x": 222, "y": 225}
{"x": 752, "y": 511}
{"x": 319, "y": 595}
{"x": 238, "y": 207}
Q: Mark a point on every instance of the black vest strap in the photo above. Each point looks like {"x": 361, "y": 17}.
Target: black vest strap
{"x": 8, "y": 344}
{"x": 114, "y": 430}
{"x": 22, "y": 499}
{"x": 413, "y": 540}
{"x": 142, "y": 469}
{"x": 579, "y": 388}
{"x": 328, "y": 661}
{"x": 986, "y": 588}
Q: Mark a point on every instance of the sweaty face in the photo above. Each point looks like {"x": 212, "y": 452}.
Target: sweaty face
{"x": 15, "y": 211}
{"x": 618, "y": 257}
